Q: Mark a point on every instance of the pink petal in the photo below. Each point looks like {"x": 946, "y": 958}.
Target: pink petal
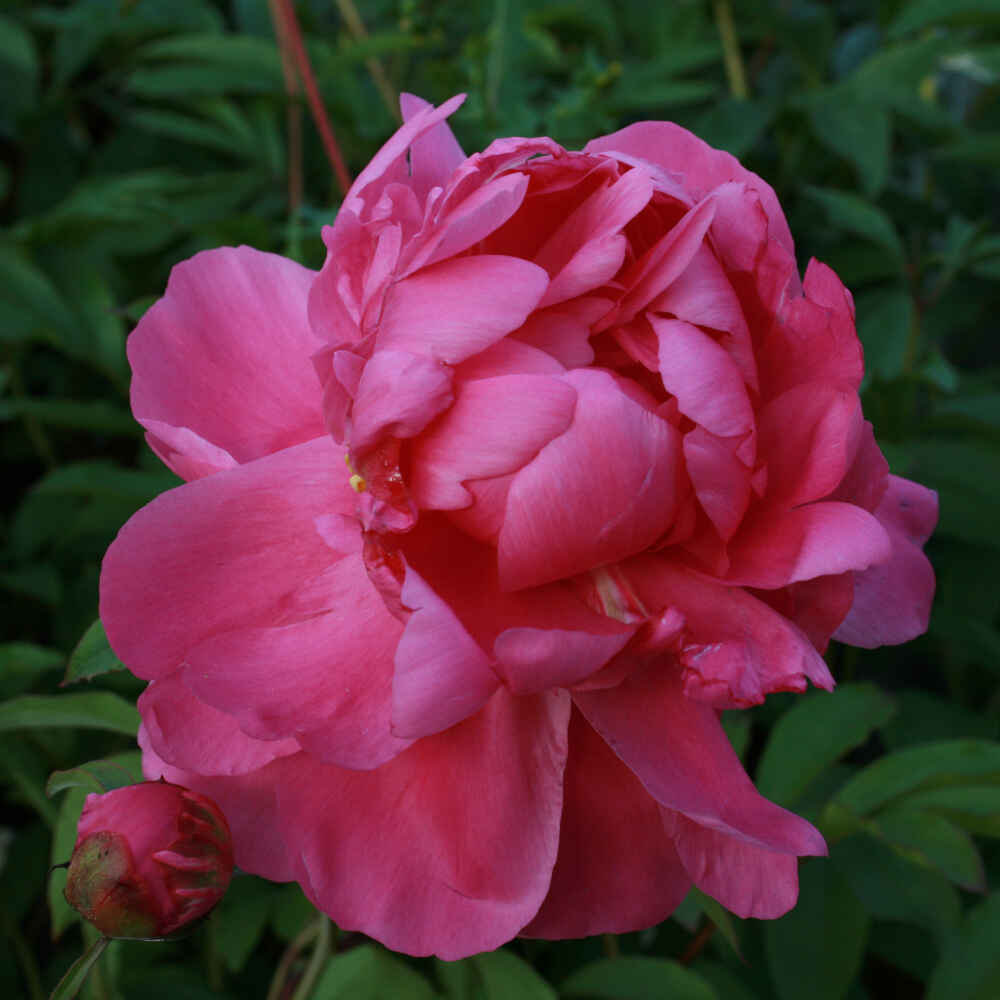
{"x": 225, "y": 552}
{"x": 249, "y": 803}
{"x": 456, "y": 308}
{"x": 776, "y": 547}
{"x": 326, "y": 680}
{"x": 189, "y": 455}
{"x": 606, "y": 488}
{"x": 593, "y": 265}
{"x": 442, "y": 676}
{"x": 617, "y": 870}
{"x": 466, "y": 222}
{"x": 865, "y": 482}
{"x": 701, "y": 374}
{"x": 701, "y": 167}
{"x": 677, "y": 748}
{"x": 720, "y": 480}
{"x": 197, "y": 737}
{"x": 398, "y": 395}
{"x": 435, "y": 154}
{"x": 816, "y": 606}
{"x": 335, "y": 298}
{"x": 808, "y": 437}
{"x": 449, "y": 847}
{"x": 892, "y": 602}
{"x": 494, "y": 427}
{"x": 534, "y": 659}
{"x": 508, "y": 357}
{"x": 736, "y": 649}
{"x": 563, "y": 332}
{"x": 748, "y": 880}
{"x": 198, "y": 353}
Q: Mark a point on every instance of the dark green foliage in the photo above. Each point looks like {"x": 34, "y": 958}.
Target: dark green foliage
{"x": 134, "y": 133}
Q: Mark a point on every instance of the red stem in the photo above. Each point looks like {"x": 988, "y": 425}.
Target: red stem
{"x": 298, "y": 49}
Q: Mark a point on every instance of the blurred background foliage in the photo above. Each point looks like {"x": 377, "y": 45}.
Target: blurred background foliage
{"x": 134, "y": 133}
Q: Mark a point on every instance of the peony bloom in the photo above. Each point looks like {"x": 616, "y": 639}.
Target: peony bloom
{"x": 553, "y": 459}
{"x": 148, "y": 860}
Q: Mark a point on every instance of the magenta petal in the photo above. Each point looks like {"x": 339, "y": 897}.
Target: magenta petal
{"x": 603, "y": 490}
{"x": 225, "y": 552}
{"x": 704, "y": 378}
{"x": 197, "y": 737}
{"x": 617, "y": 870}
{"x": 778, "y": 547}
{"x": 185, "y": 452}
{"x": 533, "y": 659}
{"x": 808, "y": 437}
{"x": 442, "y": 675}
{"x": 494, "y": 427}
{"x": 448, "y": 848}
{"x": 721, "y": 481}
{"x": 435, "y": 154}
{"x": 677, "y": 748}
{"x": 197, "y": 354}
{"x": 748, "y": 880}
{"x": 456, "y": 308}
{"x": 398, "y": 395}
{"x": 326, "y": 680}
{"x": 892, "y": 602}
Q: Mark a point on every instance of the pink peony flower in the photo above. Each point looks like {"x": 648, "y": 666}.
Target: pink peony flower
{"x": 606, "y": 474}
{"x": 148, "y": 860}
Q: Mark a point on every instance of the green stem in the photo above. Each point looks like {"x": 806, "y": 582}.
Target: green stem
{"x": 610, "y": 945}
{"x": 735, "y": 73}
{"x": 277, "y": 988}
{"x": 70, "y": 984}
{"x": 357, "y": 28}
{"x": 321, "y": 952}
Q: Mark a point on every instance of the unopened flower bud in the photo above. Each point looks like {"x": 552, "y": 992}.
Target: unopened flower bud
{"x": 148, "y": 859}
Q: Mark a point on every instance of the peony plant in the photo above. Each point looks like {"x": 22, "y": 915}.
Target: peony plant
{"x": 556, "y": 457}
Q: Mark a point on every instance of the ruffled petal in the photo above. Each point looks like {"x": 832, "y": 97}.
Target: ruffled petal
{"x": 198, "y": 353}
{"x": 892, "y": 602}
{"x": 434, "y": 154}
{"x": 617, "y": 870}
{"x": 447, "y": 849}
{"x": 232, "y": 550}
{"x": 677, "y": 748}
{"x": 603, "y": 490}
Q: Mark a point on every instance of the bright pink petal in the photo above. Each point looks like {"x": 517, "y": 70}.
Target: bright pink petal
{"x": 188, "y": 454}
{"x": 748, "y": 880}
{"x": 603, "y": 490}
{"x": 495, "y": 426}
{"x": 249, "y": 803}
{"x": 435, "y": 154}
{"x": 228, "y": 551}
{"x": 335, "y": 298}
{"x": 892, "y": 602}
{"x": 736, "y": 649}
{"x": 564, "y": 332}
{"x": 808, "y": 438}
{"x": 456, "y": 308}
{"x": 702, "y": 375}
{"x": 701, "y": 167}
{"x": 677, "y": 748}
{"x": 816, "y": 606}
{"x": 617, "y": 870}
{"x": 326, "y": 681}
{"x": 776, "y": 547}
{"x": 442, "y": 675}
{"x": 720, "y": 480}
{"x": 197, "y": 355}
{"x": 866, "y": 481}
{"x": 398, "y": 395}
{"x": 448, "y": 848}
{"x": 197, "y": 737}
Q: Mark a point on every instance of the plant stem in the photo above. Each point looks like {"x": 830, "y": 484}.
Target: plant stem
{"x": 277, "y": 988}
{"x": 357, "y": 28}
{"x": 735, "y": 73}
{"x": 293, "y": 119}
{"x": 70, "y": 984}
{"x": 317, "y": 960}
{"x": 304, "y": 66}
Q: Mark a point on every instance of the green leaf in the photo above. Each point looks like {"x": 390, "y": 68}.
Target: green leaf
{"x": 504, "y": 976}
{"x": 859, "y": 132}
{"x": 636, "y": 977}
{"x": 106, "y": 480}
{"x": 18, "y": 69}
{"x": 63, "y": 838}
{"x": 933, "y": 841}
{"x": 949, "y": 762}
{"x": 22, "y": 663}
{"x": 94, "y": 710}
{"x": 816, "y": 950}
{"x": 852, "y": 214}
{"x": 724, "y": 921}
{"x": 735, "y": 126}
{"x": 99, "y": 775}
{"x": 818, "y": 730}
{"x": 92, "y": 656}
{"x": 90, "y": 415}
{"x": 30, "y": 306}
{"x": 240, "y": 919}
{"x": 291, "y": 911}
{"x": 885, "y": 326}
{"x": 970, "y": 966}
{"x": 370, "y": 973}
{"x": 976, "y": 808}
{"x": 24, "y": 770}
{"x": 921, "y": 13}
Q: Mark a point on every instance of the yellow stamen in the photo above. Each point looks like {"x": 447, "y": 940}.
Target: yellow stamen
{"x": 358, "y": 483}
